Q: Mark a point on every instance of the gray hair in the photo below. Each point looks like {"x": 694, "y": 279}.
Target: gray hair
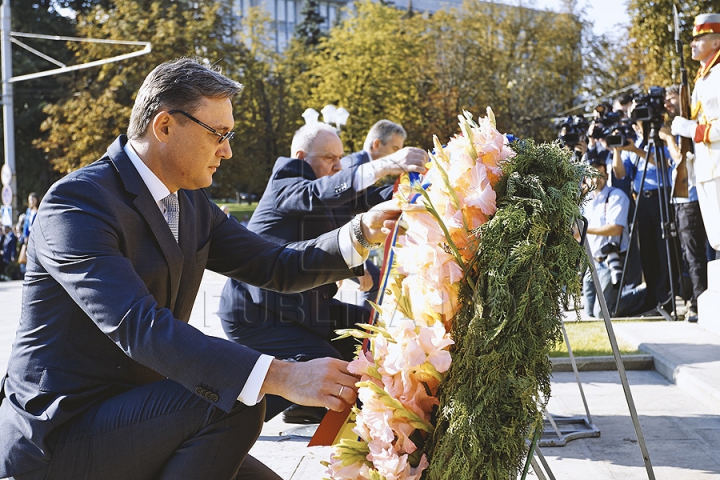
{"x": 305, "y": 136}
{"x": 672, "y": 89}
{"x": 180, "y": 84}
{"x": 383, "y": 131}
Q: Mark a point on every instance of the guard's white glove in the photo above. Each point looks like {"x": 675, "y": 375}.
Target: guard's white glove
{"x": 684, "y": 127}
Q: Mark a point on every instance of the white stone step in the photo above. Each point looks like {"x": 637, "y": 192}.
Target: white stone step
{"x": 709, "y": 301}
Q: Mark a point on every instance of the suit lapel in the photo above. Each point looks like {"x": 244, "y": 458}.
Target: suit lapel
{"x": 149, "y": 210}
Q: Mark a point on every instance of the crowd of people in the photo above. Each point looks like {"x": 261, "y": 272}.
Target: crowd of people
{"x": 14, "y": 240}
{"x": 651, "y": 233}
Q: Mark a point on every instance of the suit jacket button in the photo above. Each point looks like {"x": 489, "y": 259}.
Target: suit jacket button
{"x": 325, "y": 295}
{"x": 213, "y": 397}
{"x": 200, "y": 391}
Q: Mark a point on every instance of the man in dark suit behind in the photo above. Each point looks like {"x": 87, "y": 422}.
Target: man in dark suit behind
{"x": 383, "y": 139}
{"x": 301, "y": 200}
{"x": 106, "y": 380}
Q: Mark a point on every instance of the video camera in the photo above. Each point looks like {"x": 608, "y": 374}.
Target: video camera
{"x": 650, "y": 106}
{"x": 620, "y": 132}
{"x": 573, "y": 130}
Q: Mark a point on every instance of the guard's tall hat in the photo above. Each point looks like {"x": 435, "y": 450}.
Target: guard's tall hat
{"x": 706, "y": 23}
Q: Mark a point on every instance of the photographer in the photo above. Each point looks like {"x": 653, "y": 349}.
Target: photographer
{"x": 623, "y": 105}
{"x": 597, "y": 150}
{"x": 691, "y": 228}
{"x": 573, "y": 135}
{"x": 610, "y": 129}
{"x": 607, "y": 235}
{"x": 630, "y": 161}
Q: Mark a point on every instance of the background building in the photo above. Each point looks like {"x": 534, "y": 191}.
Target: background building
{"x": 286, "y": 13}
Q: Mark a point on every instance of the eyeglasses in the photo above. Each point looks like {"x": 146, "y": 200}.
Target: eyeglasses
{"x": 223, "y": 136}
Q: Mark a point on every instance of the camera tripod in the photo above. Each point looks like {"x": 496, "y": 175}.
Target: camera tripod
{"x": 668, "y": 227}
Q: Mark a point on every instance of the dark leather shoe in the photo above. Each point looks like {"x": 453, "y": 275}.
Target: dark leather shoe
{"x": 303, "y": 415}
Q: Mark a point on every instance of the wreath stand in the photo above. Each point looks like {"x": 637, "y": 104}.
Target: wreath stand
{"x": 587, "y": 428}
{"x": 566, "y": 429}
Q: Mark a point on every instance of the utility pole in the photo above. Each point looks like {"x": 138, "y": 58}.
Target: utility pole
{"x": 8, "y": 117}
{"x": 7, "y": 37}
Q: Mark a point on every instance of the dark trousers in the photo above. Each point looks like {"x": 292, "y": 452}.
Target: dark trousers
{"x": 693, "y": 240}
{"x": 653, "y": 252}
{"x": 157, "y": 431}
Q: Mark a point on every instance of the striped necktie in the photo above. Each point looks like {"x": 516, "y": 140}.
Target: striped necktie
{"x": 172, "y": 207}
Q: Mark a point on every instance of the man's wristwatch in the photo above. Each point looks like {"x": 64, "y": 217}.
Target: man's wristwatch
{"x": 357, "y": 231}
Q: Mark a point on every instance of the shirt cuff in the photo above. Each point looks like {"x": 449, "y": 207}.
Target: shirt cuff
{"x": 364, "y": 176}
{"x": 250, "y": 394}
{"x": 352, "y": 256}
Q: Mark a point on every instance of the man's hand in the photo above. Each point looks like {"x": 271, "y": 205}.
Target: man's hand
{"x": 684, "y": 127}
{"x": 409, "y": 159}
{"x": 366, "y": 282}
{"x": 379, "y": 221}
{"x": 322, "y": 382}
{"x": 666, "y": 134}
{"x": 581, "y": 147}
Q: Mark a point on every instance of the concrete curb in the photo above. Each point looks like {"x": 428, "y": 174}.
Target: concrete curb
{"x": 685, "y": 377}
{"x": 603, "y": 363}
{"x": 695, "y": 376}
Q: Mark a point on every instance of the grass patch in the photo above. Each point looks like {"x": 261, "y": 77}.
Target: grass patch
{"x": 239, "y": 210}
{"x": 590, "y": 339}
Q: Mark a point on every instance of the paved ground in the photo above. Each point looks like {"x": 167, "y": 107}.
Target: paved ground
{"x": 679, "y": 421}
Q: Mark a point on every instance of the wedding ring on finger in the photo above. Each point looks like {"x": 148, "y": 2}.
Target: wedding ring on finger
{"x": 342, "y": 389}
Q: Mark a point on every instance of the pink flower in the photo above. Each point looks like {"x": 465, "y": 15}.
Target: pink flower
{"x": 388, "y": 463}
{"x": 423, "y": 228}
{"x": 374, "y": 423}
{"x": 407, "y": 352}
{"x": 360, "y": 365}
{"x": 435, "y": 342}
{"x": 336, "y": 470}
{"x": 479, "y": 194}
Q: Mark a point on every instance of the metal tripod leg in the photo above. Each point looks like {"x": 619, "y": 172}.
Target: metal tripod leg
{"x": 575, "y": 426}
{"x": 621, "y": 369}
{"x": 539, "y": 471}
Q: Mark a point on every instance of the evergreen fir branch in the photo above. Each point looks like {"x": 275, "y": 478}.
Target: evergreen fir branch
{"x": 494, "y": 394}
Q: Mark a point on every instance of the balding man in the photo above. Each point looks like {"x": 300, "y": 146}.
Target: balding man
{"x": 300, "y": 201}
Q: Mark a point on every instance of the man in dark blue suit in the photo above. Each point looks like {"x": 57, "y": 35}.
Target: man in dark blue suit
{"x": 383, "y": 139}
{"x": 106, "y": 380}
{"x": 300, "y": 202}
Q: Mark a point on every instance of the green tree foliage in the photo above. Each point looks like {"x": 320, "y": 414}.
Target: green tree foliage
{"x": 608, "y": 66}
{"x": 260, "y": 113}
{"x": 652, "y": 38}
{"x": 524, "y": 63}
{"x": 422, "y": 71}
{"x": 366, "y": 65}
{"x": 81, "y": 127}
{"x": 309, "y": 30}
{"x": 494, "y": 394}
